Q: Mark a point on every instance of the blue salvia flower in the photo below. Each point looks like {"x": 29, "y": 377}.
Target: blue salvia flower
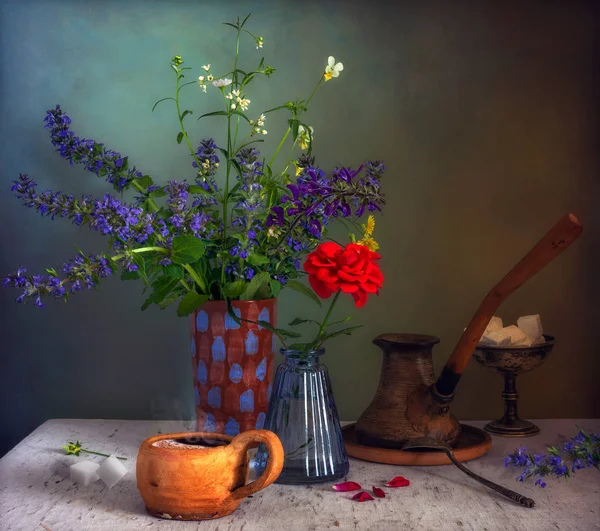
{"x": 581, "y": 448}
{"x": 209, "y": 164}
{"x": 93, "y": 155}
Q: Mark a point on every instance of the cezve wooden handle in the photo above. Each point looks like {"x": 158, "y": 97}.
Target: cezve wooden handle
{"x": 563, "y": 234}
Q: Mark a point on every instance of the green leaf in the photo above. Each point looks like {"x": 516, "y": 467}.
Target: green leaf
{"x": 159, "y": 101}
{"x": 145, "y": 181}
{"x": 168, "y": 300}
{"x": 257, "y": 259}
{"x": 248, "y": 143}
{"x": 190, "y": 302}
{"x": 215, "y": 113}
{"x": 230, "y": 24}
{"x": 344, "y": 331}
{"x": 298, "y": 321}
{"x": 187, "y": 249}
{"x": 339, "y": 322}
{"x": 255, "y": 286}
{"x": 129, "y": 275}
{"x": 240, "y": 113}
{"x": 294, "y": 124}
{"x": 234, "y": 289}
{"x": 179, "y": 137}
{"x": 139, "y": 261}
{"x": 280, "y": 332}
{"x": 173, "y": 271}
{"x": 157, "y": 193}
{"x": 185, "y": 113}
{"x": 285, "y": 106}
{"x": 195, "y": 189}
{"x": 162, "y": 287}
{"x": 244, "y": 21}
{"x": 305, "y": 290}
{"x": 275, "y": 287}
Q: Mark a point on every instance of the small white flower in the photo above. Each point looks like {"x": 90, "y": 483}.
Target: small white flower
{"x": 244, "y": 104}
{"x": 203, "y": 88}
{"x": 229, "y": 96}
{"x": 273, "y": 232}
{"x": 304, "y": 138}
{"x": 220, "y": 83}
{"x": 206, "y": 67}
{"x": 257, "y": 130}
{"x": 236, "y": 93}
{"x": 259, "y": 43}
{"x": 233, "y": 106}
{"x": 332, "y": 69}
{"x": 264, "y": 131}
{"x": 209, "y": 77}
{"x": 201, "y": 79}
{"x": 251, "y": 122}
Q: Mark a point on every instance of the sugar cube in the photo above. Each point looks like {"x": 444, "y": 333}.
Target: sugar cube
{"x": 84, "y": 472}
{"x": 496, "y": 338}
{"x": 111, "y": 471}
{"x": 532, "y": 326}
{"x": 517, "y": 336}
{"x": 494, "y": 325}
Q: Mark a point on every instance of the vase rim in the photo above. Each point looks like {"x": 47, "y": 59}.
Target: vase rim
{"x": 406, "y": 339}
{"x": 290, "y": 352}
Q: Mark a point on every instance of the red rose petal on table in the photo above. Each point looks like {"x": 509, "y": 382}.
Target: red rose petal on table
{"x": 349, "y": 486}
{"x": 362, "y": 496}
{"x": 378, "y": 492}
{"x": 398, "y": 481}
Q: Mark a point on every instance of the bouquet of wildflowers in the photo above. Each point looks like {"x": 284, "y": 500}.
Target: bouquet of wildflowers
{"x": 582, "y": 451}
{"x": 237, "y": 231}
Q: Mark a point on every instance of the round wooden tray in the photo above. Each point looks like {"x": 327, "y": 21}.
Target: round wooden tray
{"x": 472, "y": 443}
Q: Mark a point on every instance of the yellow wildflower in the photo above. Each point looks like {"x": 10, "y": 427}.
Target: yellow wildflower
{"x": 367, "y": 239}
{"x": 369, "y": 243}
{"x": 370, "y": 226}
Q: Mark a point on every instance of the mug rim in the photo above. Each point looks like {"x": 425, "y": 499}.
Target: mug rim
{"x": 149, "y": 442}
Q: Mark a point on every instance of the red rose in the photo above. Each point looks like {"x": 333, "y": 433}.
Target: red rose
{"x": 351, "y": 269}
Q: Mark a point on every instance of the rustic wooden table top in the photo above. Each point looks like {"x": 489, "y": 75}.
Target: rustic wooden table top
{"x": 36, "y": 493}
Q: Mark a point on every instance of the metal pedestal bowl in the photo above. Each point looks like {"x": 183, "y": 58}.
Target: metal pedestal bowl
{"x": 511, "y": 361}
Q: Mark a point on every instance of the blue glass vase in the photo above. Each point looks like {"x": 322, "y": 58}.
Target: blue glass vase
{"x": 302, "y": 413}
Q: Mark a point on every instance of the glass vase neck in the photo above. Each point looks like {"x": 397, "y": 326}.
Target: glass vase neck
{"x": 298, "y": 357}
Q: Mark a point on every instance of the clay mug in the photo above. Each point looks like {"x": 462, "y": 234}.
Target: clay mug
{"x": 201, "y": 476}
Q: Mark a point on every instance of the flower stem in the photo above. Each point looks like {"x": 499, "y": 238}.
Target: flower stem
{"x": 318, "y": 341}
{"x": 185, "y": 135}
{"x": 314, "y": 91}
{"x": 103, "y": 455}
{"x": 151, "y": 202}
{"x": 195, "y": 276}
{"x": 279, "y": 147}
{"x": 148, "y": 249}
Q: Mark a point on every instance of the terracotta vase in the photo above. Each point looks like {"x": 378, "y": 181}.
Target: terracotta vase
{"x": 203, "y": 475}
{"x": 233, "y": 365}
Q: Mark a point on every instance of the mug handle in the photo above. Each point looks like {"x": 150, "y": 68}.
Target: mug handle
{"x": 251, "y": 439}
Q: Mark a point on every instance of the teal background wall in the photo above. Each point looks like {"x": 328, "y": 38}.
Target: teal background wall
{"x": 485, "y": 114}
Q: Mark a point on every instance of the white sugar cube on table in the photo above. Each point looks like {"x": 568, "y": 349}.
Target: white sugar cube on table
{"x": 111, "y": 471}
{"x": 84, "y": 472}
{"x": 532, "y": 326}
